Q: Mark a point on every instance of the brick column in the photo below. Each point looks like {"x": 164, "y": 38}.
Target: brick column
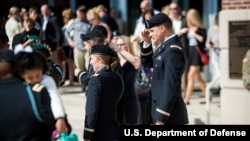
{"x": 235, "y": 4}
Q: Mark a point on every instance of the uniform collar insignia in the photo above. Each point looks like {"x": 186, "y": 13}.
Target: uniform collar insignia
{"x": 158, "y": 58}
{"x": 96, "y": 74}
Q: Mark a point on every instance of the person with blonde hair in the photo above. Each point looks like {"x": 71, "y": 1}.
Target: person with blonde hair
{"x": 95, "y": 19}
{"x": 197, "y": 35}
{"x": 106, "y": 18}
{"x": 67, "y": 52}
{"x": 128, "y": 107}
{"x": 144, "y": 98}
{"x": 13, "y": 25}
{"x": 165, "y": 9}
{"x": 135, "y": 44}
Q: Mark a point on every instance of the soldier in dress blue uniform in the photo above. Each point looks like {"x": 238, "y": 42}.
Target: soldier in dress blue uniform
{"x": 18, "y": 121}
{"x": 166, "y": 57}
{"x": 104, "y": 90}
{"x": 96, "y": 36}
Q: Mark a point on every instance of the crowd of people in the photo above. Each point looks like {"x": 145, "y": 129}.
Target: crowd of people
{"x": 92, "y": 49}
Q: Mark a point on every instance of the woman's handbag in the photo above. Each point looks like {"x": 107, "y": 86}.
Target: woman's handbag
{"x": 56, "y": 136}
{"x": 204, "y": 56}
{"x": 142, "y": 81}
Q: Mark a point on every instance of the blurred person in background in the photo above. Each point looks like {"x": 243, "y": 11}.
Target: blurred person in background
{"x": 145, "y": 7}
{"x": 68, "y": 64}
{"x": 29, "y": 31}
{"x": 4, "y": 40}
{"x": 212, "y": 43}
{"x": 80, "y": 26}
{"x": 197, "y": 35}
{"x": 128, "y": 107}
{"x": 166, "y": 9}
{"x": 51, "y": 31}
{"x": 114, "y": 13}
{"x": 95, "y": 19}
{"x": 144, "y": 98}
{"x": 106, "y": 18}
{"x": 35, "y": 15}
{"x": 180, "y": 28}
{"x": 13, "y": 25}
{"x": 141, "y": 25}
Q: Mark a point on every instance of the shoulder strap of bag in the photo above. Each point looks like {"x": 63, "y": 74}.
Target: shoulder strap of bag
{"x": 33, "y": 103}
{"x": 198, "y": 49}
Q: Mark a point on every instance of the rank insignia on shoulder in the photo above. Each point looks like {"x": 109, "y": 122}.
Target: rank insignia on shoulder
{"x": 37, "y": 88}
{"x": 96, "y": 74}
{"x": 175, "y": 46}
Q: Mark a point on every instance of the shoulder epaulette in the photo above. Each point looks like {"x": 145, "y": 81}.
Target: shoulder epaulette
{"x": 37, "y": 88}
{"x": 176, "y": 46}
{"x": 96, "y": 74}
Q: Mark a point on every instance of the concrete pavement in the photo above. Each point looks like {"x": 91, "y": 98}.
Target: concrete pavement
{"x": 74, "y": 102}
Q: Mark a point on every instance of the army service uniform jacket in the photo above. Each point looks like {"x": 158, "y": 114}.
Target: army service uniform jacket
{"x": 18, "y": 121}
{"x": 104, "y": 91}
{"x": 168, "y": 64}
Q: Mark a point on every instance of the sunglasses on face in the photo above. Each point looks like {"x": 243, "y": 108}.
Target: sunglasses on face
{"x": 121, "y": 45}
{"x": 174, "y": 8}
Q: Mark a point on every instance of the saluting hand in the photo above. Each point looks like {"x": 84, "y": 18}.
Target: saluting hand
{"x": 146, "y": 36}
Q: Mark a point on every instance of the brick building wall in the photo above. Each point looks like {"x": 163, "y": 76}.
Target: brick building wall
{"x": 235, "y": 4}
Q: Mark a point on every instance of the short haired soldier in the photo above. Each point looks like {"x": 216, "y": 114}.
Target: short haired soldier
{"x": 96, "y": 36}
{"x": 168, "y": 63}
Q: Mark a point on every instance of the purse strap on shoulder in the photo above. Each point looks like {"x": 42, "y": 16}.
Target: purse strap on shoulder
{"x": 198, "y": 49}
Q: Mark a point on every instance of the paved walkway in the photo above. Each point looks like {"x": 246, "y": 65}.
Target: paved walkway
{"x": 74, "y": 101}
